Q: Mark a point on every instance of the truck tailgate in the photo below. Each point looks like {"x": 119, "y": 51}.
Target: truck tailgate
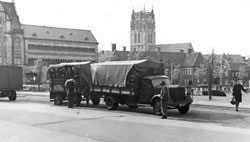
{"x": 11, "y": 77}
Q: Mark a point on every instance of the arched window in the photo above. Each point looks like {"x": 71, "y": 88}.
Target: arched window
{"x": 139, "y": 37}
{"x": 135, "y": 37}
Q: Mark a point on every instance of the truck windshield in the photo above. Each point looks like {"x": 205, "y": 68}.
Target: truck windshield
{"x": 156, "y": 81}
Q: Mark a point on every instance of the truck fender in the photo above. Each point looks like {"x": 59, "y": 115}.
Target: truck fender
{"x": 155, "y": 97}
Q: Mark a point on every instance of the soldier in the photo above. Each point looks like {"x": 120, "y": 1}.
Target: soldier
{"x": 70, "y": 85}
{"x": 164, "y": 99}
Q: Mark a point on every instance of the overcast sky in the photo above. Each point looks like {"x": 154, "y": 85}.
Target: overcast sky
{"x": 222, "y": 25}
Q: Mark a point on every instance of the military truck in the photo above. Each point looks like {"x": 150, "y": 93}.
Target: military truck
{"x": 11, "y": 80}
{"x": 59, "y": 73}
{"x": 133, "y": 83}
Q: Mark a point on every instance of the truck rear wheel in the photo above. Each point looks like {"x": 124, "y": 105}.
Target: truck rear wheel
{"x": 183, "y": 109}
{"x": 111, "y": 103}
{"x": 157, "y": 106}
{"x": 95, "y": 100}
{"x": 12, "y": 96}
{"x": 58, "y": 99}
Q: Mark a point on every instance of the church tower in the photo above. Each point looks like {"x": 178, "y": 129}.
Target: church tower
{"x": 142, "y": 30}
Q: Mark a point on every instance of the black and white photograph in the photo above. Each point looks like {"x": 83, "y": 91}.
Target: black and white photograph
{"x": 124, "y": 71}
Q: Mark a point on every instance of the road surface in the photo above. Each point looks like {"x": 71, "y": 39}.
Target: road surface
{"x": 33, "y": 118}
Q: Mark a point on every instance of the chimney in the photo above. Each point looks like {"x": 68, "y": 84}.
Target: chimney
{"x": 113, "y": 47}
{"x": 158, "y": 49}
{"x": 124, "y": 48}
{"x": 190, "y": 51}
{"x": 243, "y": 58}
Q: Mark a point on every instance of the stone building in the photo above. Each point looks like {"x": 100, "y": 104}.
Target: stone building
{"x": 55, "y": 45}
{"x": 23, "y": 44}
{"x": 142, "y": 30}
{"x": 11, "y": 35}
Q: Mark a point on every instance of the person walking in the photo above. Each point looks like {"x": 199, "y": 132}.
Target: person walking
{"x": 237, "y": 88}
{"x": 70, "y": 85}
{"x": 164, "y": 99}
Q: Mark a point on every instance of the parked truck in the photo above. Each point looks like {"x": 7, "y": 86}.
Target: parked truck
{"x": 59, "y": 73}
{"x": 133, "y": 83}
{"x": 11, "y": 80}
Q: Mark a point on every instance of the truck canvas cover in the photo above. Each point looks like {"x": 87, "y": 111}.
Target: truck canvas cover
{"x": 116, "y": 73}
{"x": 83, "y": 72}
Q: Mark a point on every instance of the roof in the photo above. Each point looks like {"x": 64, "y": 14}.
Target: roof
{"x": 62, "y": 34}
{"x": 10, "y": 10}
{"x": 236, "y": 65}
{"x": 175, "y": 47}
{"x": 229, "y": 57}
{"x": 113, "y": 55}
{"x": 194, "y": 59}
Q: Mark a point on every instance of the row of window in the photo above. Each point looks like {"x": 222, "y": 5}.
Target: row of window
{"x": 59, "y": 48}
{"x": 31, "y": 61}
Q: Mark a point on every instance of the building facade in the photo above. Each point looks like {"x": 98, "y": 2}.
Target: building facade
{"x": 23, "y": 44}
{"x": 142, "y": 30}
{"x": 55, "y": 45}
{"x": 11, "y": 35}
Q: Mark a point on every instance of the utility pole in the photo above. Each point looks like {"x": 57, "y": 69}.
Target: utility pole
{"x": 210, "y": 82}
{"x": 171, "y": 72}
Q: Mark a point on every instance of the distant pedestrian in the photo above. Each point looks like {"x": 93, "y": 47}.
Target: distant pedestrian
{"x": 164, "y": 99}
{"x": 189, "y": 88}
{"x": 237, "y": 93}
{"x": 70, "y": 85}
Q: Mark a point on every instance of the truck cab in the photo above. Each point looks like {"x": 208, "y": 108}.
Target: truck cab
{"x": 149, "y": 93}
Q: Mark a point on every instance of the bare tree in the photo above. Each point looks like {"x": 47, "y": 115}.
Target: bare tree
{"x": 38, "y": 69}
{"x": 201, "y": 73}
{"x": 176, "y": 73}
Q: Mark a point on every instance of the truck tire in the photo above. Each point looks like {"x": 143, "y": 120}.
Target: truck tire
{"x": 12, "y": 96}
{"x": 157, "y": 106}
{"x": 95, "y": 100}
{"x": 110, "y": 102}
{"x": 183, "y": 109}
{"x": 77, "y": 99}
{"x": 58, "y": 99}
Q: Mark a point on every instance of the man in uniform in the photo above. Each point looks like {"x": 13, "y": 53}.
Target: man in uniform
{"x": 164, "y": 99}
{"x": 70, "y": 85}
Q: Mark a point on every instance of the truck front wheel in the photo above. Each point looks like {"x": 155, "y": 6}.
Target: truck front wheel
{"x": 157, "y": 106}
{"x": 111, "y": 103}
{"x": 183, "y": 109}
{"x": 12, "y": 96}
{"x": 58, "y": 99}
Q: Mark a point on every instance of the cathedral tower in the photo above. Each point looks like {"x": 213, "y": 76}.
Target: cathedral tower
{"x": 142, "y": 30}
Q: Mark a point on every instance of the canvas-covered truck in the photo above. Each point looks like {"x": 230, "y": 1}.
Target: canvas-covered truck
{"x": 11, "y": 80}
{"x": 134, "y": 82}
{"x": 59, "y": 73}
